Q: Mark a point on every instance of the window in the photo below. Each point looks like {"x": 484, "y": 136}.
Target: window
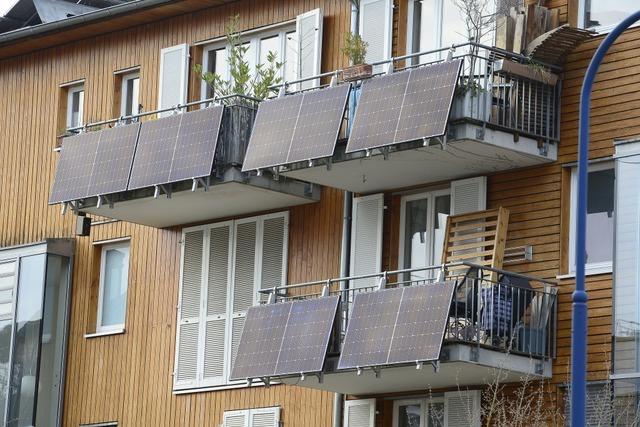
{"x": 75, "y": 106}
{"x": 223, "y": 267}
{"x": 600, "y": 208}
{"x": 129, "y": 102}
{"x": 423, "y": 219}
{"x": 261, "y": 417}
{"x": 419, "y": 412}
{"x": 112, "y": 297}
{"x": 602, "y": 15}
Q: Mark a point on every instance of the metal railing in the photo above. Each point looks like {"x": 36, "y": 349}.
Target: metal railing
{"x": 514, "y": 313}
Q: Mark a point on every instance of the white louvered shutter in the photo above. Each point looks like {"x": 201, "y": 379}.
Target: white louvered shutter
{"x": 309, "y": 33}
{"x": 462, "y": 408}
{"x": 186, "y": 372}
{"x": 218, "y": 277}
{"x": 244, "y": 275}
{"x": 366, "y": 238}
{"x": 375, "y": 28}
{"x": 264, "y": 417}
{"x": 174, "y": 66}
{"x": 274, "y": 251}
{"x": 359, "y": 413}
{"x": 236, "y": 419}
{"x": 468, "y": 195}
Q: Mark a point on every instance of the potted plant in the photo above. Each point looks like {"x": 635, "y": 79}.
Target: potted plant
{"x": 356, "y": 50}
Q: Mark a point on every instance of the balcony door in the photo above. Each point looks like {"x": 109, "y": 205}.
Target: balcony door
{"x": 423, "y": 219}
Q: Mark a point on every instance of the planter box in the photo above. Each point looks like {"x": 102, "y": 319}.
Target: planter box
{"x": 357, "y": 72}
{"x": 472, "y": 106}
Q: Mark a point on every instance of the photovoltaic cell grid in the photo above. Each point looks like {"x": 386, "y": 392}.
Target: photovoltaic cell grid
{"x": 112, "y": 166}
{"x": 285, "y": 338}
{"x": 404, "y": 106}
{"x": 177, "y": 147}
{"x": 402, "y": 325}
{"x": 75, "y": 165}
{"x": 296, "y": 128}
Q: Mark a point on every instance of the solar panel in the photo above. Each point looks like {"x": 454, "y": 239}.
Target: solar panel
{"x": 113, "y": 160}
{"x": 260, "y": 341}
{"x": 370, "y": 329}
{"x": 318, "y": 124}
{"x": 285, "y": 338}
{"x": 156, "y": 144}
{"x": 196, "y": 144}
{"x": 402, "y": 325}
{"x": 272, "y": 132}
{"x": 297, "y": 127}
{"x": 306, "y": 337}
{"x": 422, "y": 319}
{"x": 75, "y": 164}
{"x": 404, "y": 106}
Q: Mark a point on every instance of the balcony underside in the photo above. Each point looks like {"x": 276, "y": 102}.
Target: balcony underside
{"x": 460, "y": 365}
{"x": 464, "y": 154}
{"x": 233, "y": 195}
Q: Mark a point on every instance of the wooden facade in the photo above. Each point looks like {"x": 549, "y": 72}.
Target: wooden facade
{"x": 128, "y": 378}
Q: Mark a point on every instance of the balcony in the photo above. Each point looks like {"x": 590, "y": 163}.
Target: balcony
{"x": 222, "y": 191}
{"x": 504, "y": 115}
{"x": 499, "y": 325}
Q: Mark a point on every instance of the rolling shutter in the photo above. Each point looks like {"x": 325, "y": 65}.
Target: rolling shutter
{"x": 359, "y": 413}
{"x": 218, "y": 279}
{"x": 186, "y": 371}
{"x": 375, "y": 29}
{"x": 462, "y": 408}
{"x": 174, "y": 65}
{"x": 468, "y": 195}
{"x": 309, "y": 31}
{"x": 366, "y": 238}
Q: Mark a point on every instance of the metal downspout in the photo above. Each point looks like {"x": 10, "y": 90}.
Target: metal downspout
{"x": 345, "y": 246}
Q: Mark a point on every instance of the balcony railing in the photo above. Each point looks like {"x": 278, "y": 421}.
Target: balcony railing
{"x": 512, "y": 314}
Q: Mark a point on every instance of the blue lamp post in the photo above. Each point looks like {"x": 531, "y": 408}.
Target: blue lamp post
{"x": 579, "y": 322}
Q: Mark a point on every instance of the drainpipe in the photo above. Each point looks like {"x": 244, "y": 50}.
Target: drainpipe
{"x": 345, "y": 245}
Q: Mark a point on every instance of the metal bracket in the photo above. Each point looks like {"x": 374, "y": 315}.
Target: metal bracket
{"x": 310, "y": 164}
{"x": 283, "y": 90}
{"x": 272, "y": 296}
{"x": 367, "y": 153}
{"x": 276, "y": 174}
{"x": 390, "y": 69}
{"x": 474, "y": 354}
{"x": 266, "y": 381}
{"x": 358, "y": 371}
{"x": 176, "y": 110}
{"x": 334, "y": 80}
{"x": 326, "y": 289}
{"x": 543, "y": 148}
{"x": 165, "y": 189}
{"x": 480, "y": 134}
{"x": 308, "y": 189}
{"x": 320, "y": 376}
{"x": 539, "y": 368}
{"x": 101, "y": 198}
{"x": 329, "y": 163}
{"x": 377, "y": 371}
{"x": 436, "y": 366}
{"x": 204, "y": 181}
{"x": 259, "y": 172}
{"x": 385, "y": 153}
{"x": 382, "y": 282}
{"x": 63, "y": 210}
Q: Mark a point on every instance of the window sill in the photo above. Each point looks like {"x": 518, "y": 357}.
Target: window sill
{"x": 587, "y": 273}
{"x": 119, "y": 331}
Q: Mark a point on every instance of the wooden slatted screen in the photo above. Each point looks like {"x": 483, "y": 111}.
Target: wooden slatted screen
{"x": 477, "y": 237}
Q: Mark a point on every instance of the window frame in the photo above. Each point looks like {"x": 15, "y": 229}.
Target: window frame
{"x": 595, "y": 267}
{"x": 100, "y": 328}
{"x": 253, "y": 38}
{"x": 71, "y": 91}
{"x": 124, "y": 93}
{"x": 430, "y": 196}
{"x": 601, "y": 29}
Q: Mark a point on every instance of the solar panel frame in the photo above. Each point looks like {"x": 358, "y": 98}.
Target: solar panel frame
{"x": 306, "y": 337}
{"x": 385, "y": 117}
{"x": 75, "y": 166}
{"x": 113, "y": 160}
{"x": 196, "y": 143}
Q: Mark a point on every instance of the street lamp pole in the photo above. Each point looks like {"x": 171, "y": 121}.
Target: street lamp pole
{"x": 579, "y": 318}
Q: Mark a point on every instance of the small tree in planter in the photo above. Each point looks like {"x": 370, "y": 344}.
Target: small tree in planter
{"x": 241, "y": 81}
{"x": 356, "y": 50}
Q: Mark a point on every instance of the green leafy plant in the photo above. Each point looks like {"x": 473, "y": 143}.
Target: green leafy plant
{"x": 355, "y": 48}
{"x": 241, "y": 81}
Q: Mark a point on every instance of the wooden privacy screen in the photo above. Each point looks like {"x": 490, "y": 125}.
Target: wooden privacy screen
{"x": 477, "y": 237}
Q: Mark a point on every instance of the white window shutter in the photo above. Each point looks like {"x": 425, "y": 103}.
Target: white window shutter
{"x": 274, "y": 251}
{"x": 309, "y": 33}
{"x": 468, "y": 195}
{"x": 218, "y": 278}
{"x": 359, "y": 413}
{"x": 462, "y": 408}
{"x": 236, "y": 419}
{"x": 174, "y": 65}
{"x": 186, "y": 371}
{"x": 376, "y": 23}
{"x": 265, "y": 417}
{"x": 366, "y": 237}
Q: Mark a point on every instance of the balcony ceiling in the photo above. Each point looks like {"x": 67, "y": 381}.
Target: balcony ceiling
{"x": 462, "y": 157}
